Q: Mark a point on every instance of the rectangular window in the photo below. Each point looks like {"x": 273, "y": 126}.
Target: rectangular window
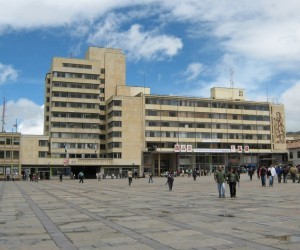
{"x": 16, "y": 154}
{"x": 42, "y": 154}
{"x": 43, "y": 143}
{"x": 7, "y": 154}
{"x": 291, "y": 155}
{"x": 8, "y": 141}
{"x": 2, "y": 140}
{"x": 298, "y": 154}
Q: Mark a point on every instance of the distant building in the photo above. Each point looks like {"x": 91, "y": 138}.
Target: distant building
{"x": 94, "y": 122}
{"x": 293, "y": 147}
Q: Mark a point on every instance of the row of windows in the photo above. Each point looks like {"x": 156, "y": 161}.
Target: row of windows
{"x": 115, "y": 113}
{"x": 114, "y": 134}
{"x": 75, "y": 75}
{"x": 114, "y": 145}
{"x": 207, "y": 135}
{"x": 68, "y": 145}
{"x": 114, "y": 155}
{"x": 9, "y": 140}
{"x": 114, "y": 124}
{"x": 79, "y": 66}
{"x": 74, "y": 135}
{"x": 7, "y": 154}
{"x": 291, "y": 154}
{"x": 75, "y": 95}
{"x": 79, "y": 156}
{"x": 43, "y": 143}
{"x": 159, "y": 144}
{"x": 184, "y": 114}
{"x": 206, "y": 104}
{"x": 207, "y": 125}
{"x": 75, "y": 85}
{"x": 76, "y": 115}
{"x": 114, "y": 103}
{"x": 77, "y": 125}
{"x": 75, "y": 105}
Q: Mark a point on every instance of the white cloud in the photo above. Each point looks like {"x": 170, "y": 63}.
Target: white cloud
{"x": 29, "y": 116}
{"x": 193, "y": 71}
{"x": 148, "y": 45}
{"x": 7, "y": 72}
{"x": 32, "y": 14}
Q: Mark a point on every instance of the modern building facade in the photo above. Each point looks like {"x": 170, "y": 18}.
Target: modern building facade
{"x": 9, "y": 155}
{"x": 94, "y": 122}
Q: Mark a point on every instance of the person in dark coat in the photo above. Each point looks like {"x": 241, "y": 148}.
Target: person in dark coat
{"x": 170, "y": 180}
{"x": 233, "y": 179}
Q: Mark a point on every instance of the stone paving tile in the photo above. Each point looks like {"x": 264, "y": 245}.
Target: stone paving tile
{"x": 111, "y": 215}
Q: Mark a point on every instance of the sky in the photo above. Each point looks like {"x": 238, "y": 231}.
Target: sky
{"x": 174, "y": 47}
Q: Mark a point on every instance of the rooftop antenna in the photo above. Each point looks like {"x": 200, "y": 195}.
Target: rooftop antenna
{"x": 3, "y": 115}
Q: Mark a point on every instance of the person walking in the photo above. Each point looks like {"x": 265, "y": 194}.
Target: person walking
{"x": 150, "y": 177}
{"x": 170, "y": 180}
{"x": 272, "y": 175}
{"x": 262, "y": 175}
{"x": 129, "y": 175}
{"x": 293, "y": 171}
{"x": 233, "y": 179}
{"x": 220, "y": 178}
{"x": 60, "y": 176}
{"x": 251, "y": 172}
{"x": 194, "y": 174}
{"x": 285, "y": 172}
{"x": 80, "y": 177}
{"x": 279, "y": 172}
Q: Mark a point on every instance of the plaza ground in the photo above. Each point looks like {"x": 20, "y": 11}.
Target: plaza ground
{"x": 109, "y": 214}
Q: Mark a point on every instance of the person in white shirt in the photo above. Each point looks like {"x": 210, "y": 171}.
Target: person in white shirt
{"x": 271, "y": 174}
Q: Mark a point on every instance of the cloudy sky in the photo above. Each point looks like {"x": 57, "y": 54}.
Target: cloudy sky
{"x": 174, "y": 47}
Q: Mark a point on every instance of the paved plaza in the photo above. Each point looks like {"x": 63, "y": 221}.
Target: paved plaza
{"x": 109, "y": 214}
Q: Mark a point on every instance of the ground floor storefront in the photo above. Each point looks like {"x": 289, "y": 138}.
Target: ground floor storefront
{"x": 160, "y": 162}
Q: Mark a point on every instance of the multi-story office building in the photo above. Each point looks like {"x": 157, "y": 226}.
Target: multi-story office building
{"x": 94, "y": 122}
{"x": 9, "y": 155}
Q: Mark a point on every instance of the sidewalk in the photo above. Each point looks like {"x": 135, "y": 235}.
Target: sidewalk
{"x": 109, "y": 214}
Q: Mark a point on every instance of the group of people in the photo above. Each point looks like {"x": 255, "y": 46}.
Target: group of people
{"x": 232, "y": 178}
{"x": 170, "y": 179}
{"x": 281, "y": 172}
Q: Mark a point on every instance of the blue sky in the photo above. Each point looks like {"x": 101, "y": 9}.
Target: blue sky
{"x": 174, "y": 47}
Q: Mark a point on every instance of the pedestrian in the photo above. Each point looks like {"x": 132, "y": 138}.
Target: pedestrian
{"x": 220, "y": 178}
{"x": 129, "y": 175}
{"x": 60, "y": 176}
{"x": 150, "y": 177}
{"x": 271, "y": 174}
{"x": 232, "y": 180}
{"x": 262, "y": 175}
{"x": 194, "y": 174}
{"x": 99, "y": 176}
{"x": 293, "y": 171}
{"x": 170, "y": 180}
{"x": 80, "y": 177}
{"x": 285, "y": 172}
{"x": 279, "y": 171}
{"x": 251, "y": 172}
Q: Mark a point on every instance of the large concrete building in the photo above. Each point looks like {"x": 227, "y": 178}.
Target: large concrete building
{"x": 94, "y": 122}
